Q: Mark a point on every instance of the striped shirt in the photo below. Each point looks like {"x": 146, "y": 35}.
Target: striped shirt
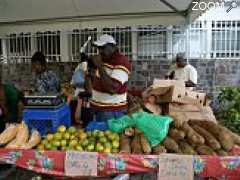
{"x": 118, "y": 68}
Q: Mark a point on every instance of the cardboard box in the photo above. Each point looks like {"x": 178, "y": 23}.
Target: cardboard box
{"x": 168, "y": 90}
{"x": 177, "y": 107}
{"x": 198, "y": 96}
{"x": 205, "y": 113}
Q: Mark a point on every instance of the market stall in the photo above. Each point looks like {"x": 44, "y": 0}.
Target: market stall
{"x": 187, "y": 138}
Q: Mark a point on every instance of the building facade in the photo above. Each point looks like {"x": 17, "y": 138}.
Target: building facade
{"x": 212, "y": 45}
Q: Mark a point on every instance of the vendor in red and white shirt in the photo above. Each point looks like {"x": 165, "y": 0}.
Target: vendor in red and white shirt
{"x": 109, "y": 82}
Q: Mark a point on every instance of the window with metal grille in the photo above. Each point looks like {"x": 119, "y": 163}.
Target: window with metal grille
{"x": 77, "y": 39}
{"x": 19, "y": 47}
{"x": 123, "y": 37}
{"x": 225, "y": 39}
{"x": 151, "y": 42}
{"x": 49, "y": 44}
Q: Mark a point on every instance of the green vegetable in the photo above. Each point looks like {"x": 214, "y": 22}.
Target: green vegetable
{"x": 229, "y": 111}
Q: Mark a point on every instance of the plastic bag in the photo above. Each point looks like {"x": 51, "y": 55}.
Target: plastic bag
{"x": 78, "y": 78}
{"x": 154, "y": 127}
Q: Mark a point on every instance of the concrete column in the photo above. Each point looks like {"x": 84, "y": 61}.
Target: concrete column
{"x": 209, "y": 39}
{"x": 134, "y": 43}
{"x": 4, "y": 49}
{"x": 64, "y": 47}
{"x": 169, "y": 42}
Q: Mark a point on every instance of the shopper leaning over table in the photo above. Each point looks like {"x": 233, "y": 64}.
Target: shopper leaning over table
{"x": 46, "y": 81}
{"x": 109, "y": 82}
{"x": 182, "y": 70}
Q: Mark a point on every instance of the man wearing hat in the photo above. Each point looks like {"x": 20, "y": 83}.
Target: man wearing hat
{"x": 183, "y": 71}
{"x": 109, "y": 82}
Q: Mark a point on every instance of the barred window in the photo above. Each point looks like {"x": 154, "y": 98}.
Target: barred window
{"x": 49, "y": 44}
{"x": 77, "y": 39}
{"x": 151, "y": 42}
{"x": 225, "y": 39}
{"x": 18, "y": 46}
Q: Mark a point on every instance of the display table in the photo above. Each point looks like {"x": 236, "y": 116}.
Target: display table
{"x": 52, "y": 163}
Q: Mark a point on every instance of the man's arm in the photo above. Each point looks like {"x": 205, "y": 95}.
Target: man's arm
{"x": 106, "y": 81}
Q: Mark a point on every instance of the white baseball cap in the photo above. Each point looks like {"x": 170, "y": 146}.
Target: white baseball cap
{"x": 104, "y": 39}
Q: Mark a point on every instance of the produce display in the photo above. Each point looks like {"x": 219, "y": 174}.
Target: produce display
{"x": 191, "y": 136}
{"x": 16, "y": 136}
{"x": 79, "y": 140}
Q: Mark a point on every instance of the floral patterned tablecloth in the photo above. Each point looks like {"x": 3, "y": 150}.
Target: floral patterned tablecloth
{"x": 52, "y": 163}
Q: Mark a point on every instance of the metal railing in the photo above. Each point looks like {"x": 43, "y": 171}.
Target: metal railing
{"x": 201, "y": 40}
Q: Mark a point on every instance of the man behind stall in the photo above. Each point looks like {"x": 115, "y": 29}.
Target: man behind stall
{"x": 109, "y": 83}
{"x": 46, "y": 81}
{"x": 184, "y": 71}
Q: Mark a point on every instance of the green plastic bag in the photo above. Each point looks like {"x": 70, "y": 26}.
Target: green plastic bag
{"x": 154, "y": 127}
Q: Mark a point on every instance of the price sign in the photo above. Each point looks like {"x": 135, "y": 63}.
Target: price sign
{"x": 175, "y": 167}
{"x": 81, "y": 163}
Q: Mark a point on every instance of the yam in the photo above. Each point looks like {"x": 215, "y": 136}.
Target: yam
{"x": 145, "y": 144}
{"x": 179, "y": 119}
{"x": 226, "y": 141}
{"x": 136, "y": 145}
{"x": 177, "y": 123}
{"x": 159, "y": 149}
{"x": 171, "y": 145}
{"x": 176, "y": 134}
{"x": 8, "y": 134}
{"x": 235, "y": 137}
{"x": 129, "y": 132}
{"x": 222, "y": 136}
{"x": 221, "y": 152}
{"x": 137, "y": 131}
{"x": 209, "y": 138}
{"x": 186, "y": 148}
{"x": 124, "y": 144}
{"x": 192, "y": 135}
{"x": 205, "y": 150}
{"x": 192, "y": 141}
{"x": 33, "y": 141}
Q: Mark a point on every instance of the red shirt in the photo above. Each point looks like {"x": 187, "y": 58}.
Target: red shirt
{"x": 118, "y": 68}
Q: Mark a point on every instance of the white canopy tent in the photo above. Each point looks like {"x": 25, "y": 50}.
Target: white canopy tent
{"x": 32, "y": 15}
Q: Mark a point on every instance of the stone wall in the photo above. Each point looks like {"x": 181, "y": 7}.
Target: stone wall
{"x": 212, "y": 73}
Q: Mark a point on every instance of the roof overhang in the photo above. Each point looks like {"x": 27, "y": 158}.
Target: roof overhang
{"x": 87, "y": 13}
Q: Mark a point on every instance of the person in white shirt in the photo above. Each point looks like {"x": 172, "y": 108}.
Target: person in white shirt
{"x": 183, "y": 71}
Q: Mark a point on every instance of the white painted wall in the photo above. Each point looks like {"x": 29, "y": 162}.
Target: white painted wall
{"x": 221, "y": 14}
